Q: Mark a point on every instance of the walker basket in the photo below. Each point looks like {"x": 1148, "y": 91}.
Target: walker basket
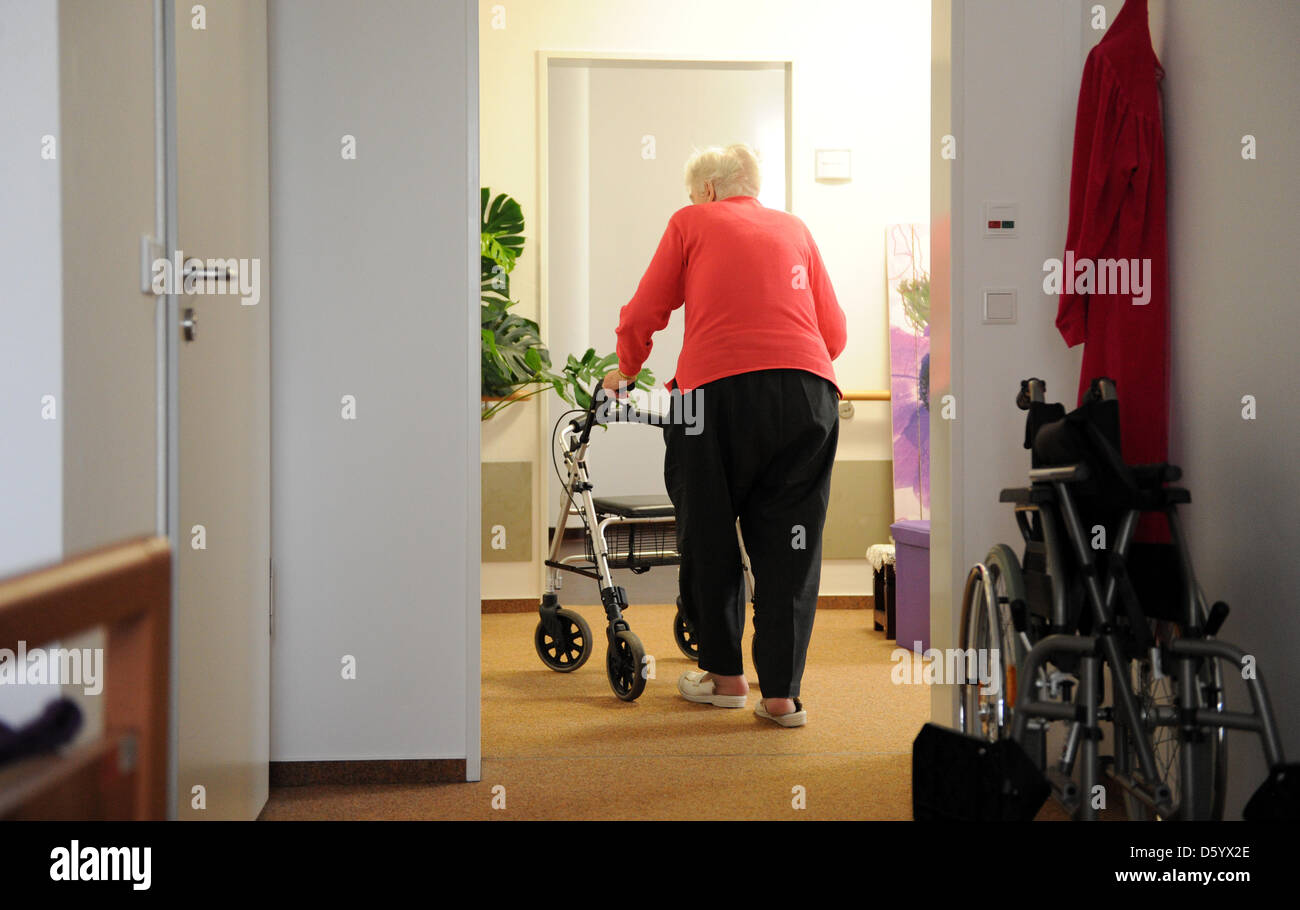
{"x": 638, "y": 545}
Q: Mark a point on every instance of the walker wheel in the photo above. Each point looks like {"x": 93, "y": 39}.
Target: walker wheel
{"x": 624, "y": 664}
{"x": 571, "y": 649}
{"x": 684, "y": 634}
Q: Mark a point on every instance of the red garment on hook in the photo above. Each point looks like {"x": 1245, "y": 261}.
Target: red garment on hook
{"x": 1117, "y": 213}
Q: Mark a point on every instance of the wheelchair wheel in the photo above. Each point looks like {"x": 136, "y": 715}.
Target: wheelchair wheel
{"x": 987, "y": 629}
{"x": 623, "y": 665}
{"x": 1157, "y": 692}
{"x": 684, "y": 634}
{"x": 570, "y": 649}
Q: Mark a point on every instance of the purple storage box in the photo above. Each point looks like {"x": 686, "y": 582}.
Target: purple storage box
{"x": 912, "y": 582}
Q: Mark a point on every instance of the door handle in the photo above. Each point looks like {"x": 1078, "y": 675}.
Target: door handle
{"x": 193, "y": 271}
{"x": 189, "y": 324}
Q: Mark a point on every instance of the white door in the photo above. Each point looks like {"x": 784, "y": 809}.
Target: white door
{"x": 221, "y": 405}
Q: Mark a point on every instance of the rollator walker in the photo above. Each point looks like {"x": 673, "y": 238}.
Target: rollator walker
{"x": 621, "y": 532}
{"x": 1095, "y": 641}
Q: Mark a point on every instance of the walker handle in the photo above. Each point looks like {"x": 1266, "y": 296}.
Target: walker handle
{"x": 591, "y": 413}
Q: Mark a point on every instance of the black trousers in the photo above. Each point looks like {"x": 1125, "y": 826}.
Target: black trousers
{"x": 761, "y": 450}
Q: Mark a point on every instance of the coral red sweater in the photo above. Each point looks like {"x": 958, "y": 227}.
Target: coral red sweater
{"x": 756, "y": 292}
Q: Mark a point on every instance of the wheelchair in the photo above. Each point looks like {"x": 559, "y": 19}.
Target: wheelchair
{"x": 1089, "y": 632}
{"x": 621, "y": 532}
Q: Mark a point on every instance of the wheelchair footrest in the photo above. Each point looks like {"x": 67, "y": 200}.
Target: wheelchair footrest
{"x": 956, "y": 777}
{"x": 1278, "y": 798}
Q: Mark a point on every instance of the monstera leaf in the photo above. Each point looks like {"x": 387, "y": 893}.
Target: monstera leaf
{"x": 513, "y": 353}
{"x": 515, "y": 363}
{"x": 581, "y": 376}
{"x": 501, "y": 242}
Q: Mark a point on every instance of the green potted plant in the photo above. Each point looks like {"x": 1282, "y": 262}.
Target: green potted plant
{"x": 516, "y": 365}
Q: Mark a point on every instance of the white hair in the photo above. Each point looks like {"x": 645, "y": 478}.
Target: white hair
{"x": 733, "y": 171}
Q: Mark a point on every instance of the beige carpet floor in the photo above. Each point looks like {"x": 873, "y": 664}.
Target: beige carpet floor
{"x": 563, "y": 747}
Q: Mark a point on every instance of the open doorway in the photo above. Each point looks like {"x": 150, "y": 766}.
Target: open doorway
{"x": 617, "y": 132}
{"x": 597, "y": 178}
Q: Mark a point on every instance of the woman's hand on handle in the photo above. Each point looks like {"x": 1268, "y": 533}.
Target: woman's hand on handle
{"x": 617, "y": 384}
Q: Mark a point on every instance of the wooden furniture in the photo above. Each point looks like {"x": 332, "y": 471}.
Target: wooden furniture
{"x": 126, "y": 590}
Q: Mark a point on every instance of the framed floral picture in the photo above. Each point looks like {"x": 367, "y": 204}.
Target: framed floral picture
{"x": 907, "y": 254}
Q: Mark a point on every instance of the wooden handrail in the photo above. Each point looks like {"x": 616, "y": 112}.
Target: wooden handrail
{"x": 126, "y": 588}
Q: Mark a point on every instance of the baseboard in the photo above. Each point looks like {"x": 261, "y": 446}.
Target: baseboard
{"x": 529, "y": 604}
{"x": 845, "y": 602}
{"x": 511, "y": 605}
{"x": 373, "y": 771}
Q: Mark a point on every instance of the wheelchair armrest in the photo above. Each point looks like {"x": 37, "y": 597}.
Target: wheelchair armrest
{"x": 1157, "y": 499}
{"x": 1036, "y": 495}
{"x": 1154, "y": 475}
{"x": 1063, "y": 473}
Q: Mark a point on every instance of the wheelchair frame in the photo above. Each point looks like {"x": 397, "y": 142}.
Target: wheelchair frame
{"x": 1043, "y": 631}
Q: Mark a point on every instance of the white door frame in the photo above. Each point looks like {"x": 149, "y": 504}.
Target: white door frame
{"x": 473, "y": 416}
{"x": 167, "y": 355}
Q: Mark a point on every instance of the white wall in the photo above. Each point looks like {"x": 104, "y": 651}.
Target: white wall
{"x": 375, "y": 521}
{"x": 1233, "y": 230}
{"x": 569, "y": 224}
{"x": 1234, "y": 240}
{"x": 78, "y": 326}
{"x": 568, "y": 232}
{"x": 1014, "y": 128}
{"x": 861, "y": 81}
{"x": 109, "y": 341}
{"x": 31, "y": 347}
{"x": 107, "y": 88}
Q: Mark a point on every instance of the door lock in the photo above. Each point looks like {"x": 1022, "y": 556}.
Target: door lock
{"x": 189, "y": 324}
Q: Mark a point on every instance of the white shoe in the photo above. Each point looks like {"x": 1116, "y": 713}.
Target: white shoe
{"x": 796, "y": 718}
{"x": 695, "y": 688}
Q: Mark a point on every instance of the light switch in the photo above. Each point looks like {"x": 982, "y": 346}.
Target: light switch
{"x": 1000, "y": 219}
{"x": 1000, "y": 306}
{"x": 834, "y": 164}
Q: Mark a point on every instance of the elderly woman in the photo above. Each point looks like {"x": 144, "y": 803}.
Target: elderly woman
{"x": 762, "y": 327}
